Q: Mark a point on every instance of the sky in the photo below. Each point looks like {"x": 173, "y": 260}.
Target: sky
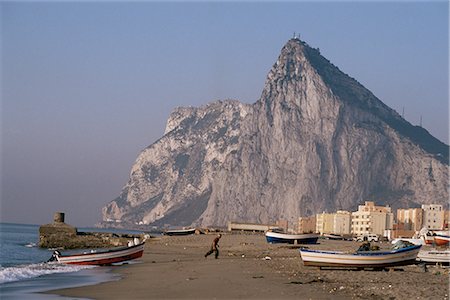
{"x": 86, "y": 86}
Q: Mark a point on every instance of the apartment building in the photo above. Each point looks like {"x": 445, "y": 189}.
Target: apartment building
{"x": 335, "y": 223}
{"x": 306, "y": 224}
{"x": 342, "y": 221}
{"x": 372, "y": 219}
{"x": 433, "y": 216}
{"x": 324, "y": 223}
{"x": 446, "y": 219}
{"x": 410, "y": 218}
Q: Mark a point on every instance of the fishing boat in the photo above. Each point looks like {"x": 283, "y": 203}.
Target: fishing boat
{"x": 280, "y": 237}
{"x": 414, "y": 241}
{"x": 332, "y": 236}
{"x": 101, "y": 257}
{"x": 184, "y": 231}
{"x": 429, "y": 239}
{"x": 441, "y": 239}
{"x": 434, "y": 256}
{"x": 361, "y": 259}
{"x": 427, "y": 236}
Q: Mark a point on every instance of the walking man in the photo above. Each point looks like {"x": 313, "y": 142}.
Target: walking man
{"x": 214, "y": 247}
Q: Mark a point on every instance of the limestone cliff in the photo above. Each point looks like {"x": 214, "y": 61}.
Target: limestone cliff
{"x": 316, "y": 140}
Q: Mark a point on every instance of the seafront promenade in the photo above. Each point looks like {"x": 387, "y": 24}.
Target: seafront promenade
{"x": 250, "y": 268}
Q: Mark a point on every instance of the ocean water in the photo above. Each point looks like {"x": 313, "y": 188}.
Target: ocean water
{"x": 25, "y": 272}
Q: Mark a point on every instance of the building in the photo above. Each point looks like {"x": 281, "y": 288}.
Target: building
{"x": 433, "y": 216}
{"x": 399, "y": 231}
{"x": 252, "y": 227}
{"x": 446, "y": 219}
{"x": 306, "y": 224}
{"x": 283, "y": 224}
{"x": 372, "y": 219}
{"x": 335, "y": 223}
{"x": 342, "y": 221}
{"x": 410, "y": 218}
{"x": 324, "y": 223}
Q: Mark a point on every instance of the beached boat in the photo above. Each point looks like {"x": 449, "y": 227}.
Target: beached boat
{"x": 101, "y": 257}
{"x": 429, "y": 239}
{"x": 414, "y": 241}
{"x": 428, "y": 235}
{"x": 184, "y": 231}
{"x": 434, "y": 256}
{"x": 332, "y": 236}
{"x": 441, "y": 239}
{"x": 279, "y": 237}
{"x": 360, "y": 259}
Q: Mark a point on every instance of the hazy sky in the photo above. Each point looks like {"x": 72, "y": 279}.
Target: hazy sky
{"x": 86, "y": 86}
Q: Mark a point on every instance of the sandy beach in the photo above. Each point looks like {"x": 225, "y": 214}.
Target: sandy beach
{"x": 250, "y": 268}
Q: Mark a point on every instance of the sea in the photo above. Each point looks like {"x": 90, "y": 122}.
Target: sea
{"x": 25, "y": 272}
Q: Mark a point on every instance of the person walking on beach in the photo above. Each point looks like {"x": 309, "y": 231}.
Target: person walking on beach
{"x": 214, "y": 247}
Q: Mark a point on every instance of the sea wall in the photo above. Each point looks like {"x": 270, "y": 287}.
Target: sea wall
{"x": 62, "y": 235}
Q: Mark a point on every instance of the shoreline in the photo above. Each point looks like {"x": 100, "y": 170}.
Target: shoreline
{"x": 250, "y": 268}
{"x": 36, "y": 288}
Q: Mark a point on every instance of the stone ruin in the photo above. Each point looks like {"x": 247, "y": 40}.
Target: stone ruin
{"x": 62, "y": 235}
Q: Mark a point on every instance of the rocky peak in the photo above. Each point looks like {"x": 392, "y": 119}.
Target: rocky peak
{"x": 315, "y": 141}
{"x": 354, "y": 94}
{"x": 302, "y": 74}
{"x": 289, "y": 64}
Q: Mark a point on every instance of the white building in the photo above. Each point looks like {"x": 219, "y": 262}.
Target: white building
{"x": 336, "y": 223}
{"x": 372, "y": 219}
{"x": 342, "y": 222}
{"x": 433, "y": 216}
{"x": 324, "y": 223}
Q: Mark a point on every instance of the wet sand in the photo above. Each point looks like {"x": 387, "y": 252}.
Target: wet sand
{"x": 175, "y": 268}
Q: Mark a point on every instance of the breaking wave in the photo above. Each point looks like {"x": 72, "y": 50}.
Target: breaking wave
{"x": 21, "y": 272}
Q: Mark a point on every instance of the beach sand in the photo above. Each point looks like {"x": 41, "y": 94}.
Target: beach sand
{"x": 175, "y": 268}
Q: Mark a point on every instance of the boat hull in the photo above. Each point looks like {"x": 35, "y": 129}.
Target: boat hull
{"x": 441, "y": 240}
{"x": 179, "y": 232}
{"x": 275, "y": 237}
{"x": 103, "y": 258}
{"x": 429, "y": 240}
{"x": 363, "y": 259}
{"x": 333, "y": 236}
{"x": 411, "y": 240}
{"x": 434, "y": 256}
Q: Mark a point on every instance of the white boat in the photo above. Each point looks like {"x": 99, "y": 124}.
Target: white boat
{"x": 434, "y": 256}
{"x": 279, "y": 237}
{"x": 332, "y": 236}
{"x": 411, "y": 240}
{"x": 100, "y": 257}
{"x": 360, "y": 259}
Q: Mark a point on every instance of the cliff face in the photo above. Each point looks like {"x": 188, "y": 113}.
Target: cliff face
{"x": 316, "y": 140}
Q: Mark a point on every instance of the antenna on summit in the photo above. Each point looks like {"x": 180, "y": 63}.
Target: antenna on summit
{"x": 296, "y": 37}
